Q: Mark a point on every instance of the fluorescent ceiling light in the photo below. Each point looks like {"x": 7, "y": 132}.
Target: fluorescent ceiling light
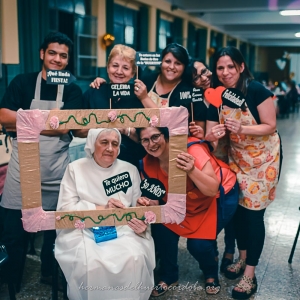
{"x": 290, "y": 12}
{"x": 297, "y": 34}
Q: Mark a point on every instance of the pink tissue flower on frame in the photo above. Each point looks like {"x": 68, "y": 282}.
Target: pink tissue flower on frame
{"x": 54, "y": 122}
{"x": 150, "y": 217}
{"x": 153, "y": 121}
{"x": 79, "y": 224}
{"x": 112, "y": 116}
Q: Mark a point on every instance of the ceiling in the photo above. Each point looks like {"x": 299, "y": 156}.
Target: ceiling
{"x": 255, "y": 21}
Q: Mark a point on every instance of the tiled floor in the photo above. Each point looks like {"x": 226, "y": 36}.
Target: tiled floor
{"x": 277, "y": 280}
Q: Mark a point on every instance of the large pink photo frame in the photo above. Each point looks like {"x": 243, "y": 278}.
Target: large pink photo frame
{"x": 31, "y": 122}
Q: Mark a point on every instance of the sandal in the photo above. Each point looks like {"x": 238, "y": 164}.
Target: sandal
{"x": 225, "y": 263}
{"x": 248, "y": 286}
{"x": 212, "y": 288}
{"x": 161, "y": 288}
{"x": 237, "y": 269}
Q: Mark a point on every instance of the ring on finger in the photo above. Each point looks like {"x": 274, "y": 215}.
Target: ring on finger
{"x": 136, "y": 88}
{"x": 219, "y": 133}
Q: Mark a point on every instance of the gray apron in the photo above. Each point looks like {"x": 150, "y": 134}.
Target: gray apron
{"x": 54, "y": 158}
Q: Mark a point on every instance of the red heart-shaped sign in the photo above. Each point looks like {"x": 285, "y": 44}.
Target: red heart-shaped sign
{"x": 214, "y": 96}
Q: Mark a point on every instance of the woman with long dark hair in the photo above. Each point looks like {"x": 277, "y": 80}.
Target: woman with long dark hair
{"x": 254, "y": 155}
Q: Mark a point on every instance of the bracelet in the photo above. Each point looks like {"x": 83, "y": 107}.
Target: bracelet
{"x": 128, "y": 133}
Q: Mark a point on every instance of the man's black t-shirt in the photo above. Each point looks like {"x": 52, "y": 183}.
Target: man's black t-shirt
{"x": 20, "y": 93}
{"x": 21, "y": 90}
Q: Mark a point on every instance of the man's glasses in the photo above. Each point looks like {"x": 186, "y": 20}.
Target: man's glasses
{"x": 204, "y": 72}
{"x": 154, "y": 138}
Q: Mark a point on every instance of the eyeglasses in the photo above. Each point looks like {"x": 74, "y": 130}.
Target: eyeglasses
{"x": 154, "y": 138}
{"x": 204, "y": 72}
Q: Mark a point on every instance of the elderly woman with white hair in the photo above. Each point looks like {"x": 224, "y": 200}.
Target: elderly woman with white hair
{"x": 119, "y": 268}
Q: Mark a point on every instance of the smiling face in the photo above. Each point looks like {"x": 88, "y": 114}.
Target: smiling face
{"x": 119, "y": 70}
{"x": 55, "y": 57}
{"x": 228, "y": 73}
{"x": 106, "y": 148}
{"x": 154, "y": 142}
{"x": 171, "y": 68}
{"x": 203, "y": 77}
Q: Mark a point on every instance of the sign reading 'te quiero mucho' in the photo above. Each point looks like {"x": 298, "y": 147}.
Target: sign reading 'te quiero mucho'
{"x": 119, "y": 183}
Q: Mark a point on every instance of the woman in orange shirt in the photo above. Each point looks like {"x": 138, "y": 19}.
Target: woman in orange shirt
{"x": 200, "y": 223}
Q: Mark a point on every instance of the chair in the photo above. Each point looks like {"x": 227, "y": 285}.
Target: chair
{"x": 294, "y": 245}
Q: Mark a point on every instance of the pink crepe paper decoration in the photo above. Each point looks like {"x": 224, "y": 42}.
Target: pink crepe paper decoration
{"x": 36, "y": 219}
{"x": 176, "y": 119}
{"x": 174, "y": 210}
{"x": 30, "y": 123}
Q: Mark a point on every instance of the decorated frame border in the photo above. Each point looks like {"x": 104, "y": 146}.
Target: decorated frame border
{"x": 31, "y": 122}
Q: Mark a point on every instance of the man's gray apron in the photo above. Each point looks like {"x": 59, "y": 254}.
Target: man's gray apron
{"x": 54, "y": 157}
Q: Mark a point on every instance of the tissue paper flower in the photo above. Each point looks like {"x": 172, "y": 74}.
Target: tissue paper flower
{"x": 153, "y": 121}
{"x": 79, "y": 224}
{"x": 113, "y": 116}
{"x": 54, "y": 122}
{"x": 150, "y": 217}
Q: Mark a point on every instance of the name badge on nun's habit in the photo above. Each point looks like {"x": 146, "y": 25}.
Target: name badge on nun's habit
{"x": 104, "y": 233}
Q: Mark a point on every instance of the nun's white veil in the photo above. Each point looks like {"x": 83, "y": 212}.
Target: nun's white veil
{"x": 92, "y": 137}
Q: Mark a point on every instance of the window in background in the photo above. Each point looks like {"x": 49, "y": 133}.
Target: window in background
{"x": 125, "y": 23}
{"x": 244, "y": 51}
{"x": 73, "y": 18}
{"x": 231, "y": 42}
{"x": 164, "y": 33}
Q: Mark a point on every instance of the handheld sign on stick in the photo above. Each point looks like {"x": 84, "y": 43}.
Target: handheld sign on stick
{"x": 120, "y": 91}
{"x": 63, "y": 77}
{"x": 233, "y": 98}
{"x": 152, "y": 188}
{"x": 59, "y": 78}
{"x": 192, "y": 111}
{"x": 197, "y": 95}
{"x": 145, "y": 59}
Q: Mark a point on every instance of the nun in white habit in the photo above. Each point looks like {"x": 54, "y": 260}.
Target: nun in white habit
{"x": 120, "y": 268}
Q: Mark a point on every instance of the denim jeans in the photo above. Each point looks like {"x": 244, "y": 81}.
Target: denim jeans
{"x": 166, "y": 242}
{"x": 226, "y": 211}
